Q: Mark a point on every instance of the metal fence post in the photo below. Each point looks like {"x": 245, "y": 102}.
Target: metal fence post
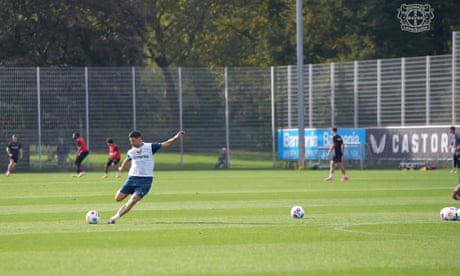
{"x": 289, "y": 96}
{"x": 355, "y": 94}
{"x": 454, "y": 75}
{"x": 227, "y": 128}
{"x": 428, "y": 90}
{"x": 272, "y": 100}
{"x": 310, "y": 95}
{"x": 379, "y": 91}
{"x": 403, "y": 91}
{"x": 39, "y": 147}
{"x": 300, "y": 98}
{"x": 181, "y": 126}
{"x": 332, "y": 87}
{"x": 87, "y": 107}
{"x": 133, "y": 83}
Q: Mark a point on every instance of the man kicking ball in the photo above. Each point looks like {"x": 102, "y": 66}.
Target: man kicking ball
{"x": 140, "y": 176}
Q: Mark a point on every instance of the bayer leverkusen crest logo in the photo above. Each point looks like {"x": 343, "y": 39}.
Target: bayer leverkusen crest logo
{"x": 415, "y": 18}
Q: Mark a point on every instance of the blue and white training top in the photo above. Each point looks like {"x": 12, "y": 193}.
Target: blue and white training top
{"x": 142, "y": 161}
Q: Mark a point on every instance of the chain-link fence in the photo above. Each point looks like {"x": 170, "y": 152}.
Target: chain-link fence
{"x": 238, "y": 108}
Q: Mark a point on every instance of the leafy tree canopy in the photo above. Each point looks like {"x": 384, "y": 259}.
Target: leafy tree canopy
{"x": 212, "y": 33}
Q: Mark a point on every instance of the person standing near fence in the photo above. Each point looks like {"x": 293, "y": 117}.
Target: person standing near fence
{"x": 222, "y": 160}
{"x": 338, "y": 149}
{"x": 453, "y": 144}
{"x": 81, "y": 154}
{"x": 456, "y": 159}
{"x": 140, "y": 176}
{"x": 114, "y": 158}
{"x": 15, "y": 153}
{"x": 62, "y": 150}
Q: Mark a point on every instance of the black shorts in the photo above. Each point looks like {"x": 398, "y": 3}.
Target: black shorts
{"x": 81, "y": 156}
{"x": 112, "y": 162}
{"x": 14, "y": 158}
{"x": 337, "y": 158}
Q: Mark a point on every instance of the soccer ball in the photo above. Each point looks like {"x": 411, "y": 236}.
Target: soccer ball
{"x": 448, "y": 213}
{"x": 297, "y": 212}
{"x": 92, "y": 217}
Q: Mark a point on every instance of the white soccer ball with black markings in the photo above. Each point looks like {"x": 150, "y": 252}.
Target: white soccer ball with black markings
{"x": 448, "y": 213}
{"x": 92, "y": 217}
{"x": 297, "y": 212}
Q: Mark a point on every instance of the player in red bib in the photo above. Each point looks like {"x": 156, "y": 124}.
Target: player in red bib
{"x": 82, "y": 152}
{"x": 114, "y": 158}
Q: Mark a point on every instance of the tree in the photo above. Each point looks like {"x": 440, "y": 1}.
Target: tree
{"x": 70, "y": 33}
{"x": 204, "y": 33}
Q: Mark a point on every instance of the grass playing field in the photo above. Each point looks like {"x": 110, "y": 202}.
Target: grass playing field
{"x": 381, "y": 222}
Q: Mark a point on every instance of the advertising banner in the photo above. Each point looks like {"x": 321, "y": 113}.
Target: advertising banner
{"x": 317, "y": 141}
{"x": 409, "y": 143}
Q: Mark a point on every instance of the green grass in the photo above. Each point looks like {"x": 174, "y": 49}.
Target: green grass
{"x": 166, "y": 161}
{"x": 231, "y": 222}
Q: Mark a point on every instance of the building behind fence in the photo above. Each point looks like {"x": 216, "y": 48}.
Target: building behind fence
{"x": 238, "y": 108}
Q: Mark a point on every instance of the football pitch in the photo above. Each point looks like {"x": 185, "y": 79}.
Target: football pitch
{"x": 381, "y": 222}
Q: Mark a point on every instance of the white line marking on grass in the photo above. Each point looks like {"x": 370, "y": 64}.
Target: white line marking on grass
{"x": 345, "y": 228}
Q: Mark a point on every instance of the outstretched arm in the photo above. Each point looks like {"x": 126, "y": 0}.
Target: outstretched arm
{"x": 123, "y": 165}
{"x": 173, "y": 140}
